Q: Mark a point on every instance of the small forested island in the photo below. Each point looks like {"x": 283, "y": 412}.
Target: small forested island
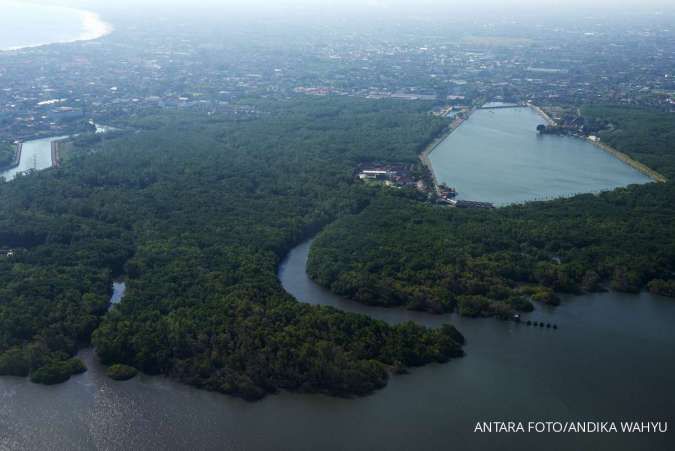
{"x": 57, "y": 371}
{"x": 197, "y": 212}
{"x": 120, "y": 372}
{"x": 401, "y": 252}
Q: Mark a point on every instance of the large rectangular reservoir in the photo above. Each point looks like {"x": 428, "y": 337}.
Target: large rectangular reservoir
{"x": 497, "y": 156}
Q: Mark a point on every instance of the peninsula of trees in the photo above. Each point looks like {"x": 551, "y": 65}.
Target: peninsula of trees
{"x": 197, "y": 212}
{"x": 400, "y": 252}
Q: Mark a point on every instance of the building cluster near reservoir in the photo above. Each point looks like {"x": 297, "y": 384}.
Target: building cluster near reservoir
{"x": 397, "y": 175}
{"x": 446, "y": 194}
{"x": 401, "y": 175}
{"x": 374, "y": 174}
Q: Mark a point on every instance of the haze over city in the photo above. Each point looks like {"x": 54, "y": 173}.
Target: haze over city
{"x": 328, "y": 225}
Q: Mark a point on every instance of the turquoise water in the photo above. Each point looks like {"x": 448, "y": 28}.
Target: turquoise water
{"x": 498, "y": 156}
{"x": 24, "y": 24}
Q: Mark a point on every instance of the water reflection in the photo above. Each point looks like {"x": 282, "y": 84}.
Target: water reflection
{"x": 610, "y": 359}
{"x": 497, "y": 156}
{"x": 119, "y": 288}
{"x": 35, "y": 155}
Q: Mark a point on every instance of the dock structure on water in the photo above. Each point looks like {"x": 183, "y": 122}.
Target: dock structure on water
{"x": 398, "y": 175}
{"x": 446, "y": 193}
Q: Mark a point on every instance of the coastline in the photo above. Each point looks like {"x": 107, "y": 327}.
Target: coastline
{"x": 92, "y": 27}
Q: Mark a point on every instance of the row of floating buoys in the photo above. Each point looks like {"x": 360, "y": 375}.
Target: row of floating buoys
{"x": 541, "y": 324}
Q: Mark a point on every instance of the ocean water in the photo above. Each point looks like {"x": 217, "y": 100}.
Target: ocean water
{"x": 26, "y": 24}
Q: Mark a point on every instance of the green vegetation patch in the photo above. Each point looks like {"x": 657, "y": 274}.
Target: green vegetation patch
{"x": 14, "y": 362}
{"x": 645, "y": 135}
{"x": 121, "y": 372}
{"x": 198, "y": 212}
{"x": 57, "y": 371}
{"x": 399, "y": 252}
{"x": 662, "y": 287}
{"x": 7, "y": 154}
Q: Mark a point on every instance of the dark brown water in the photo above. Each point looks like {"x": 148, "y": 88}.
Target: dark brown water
{"x": 611, "y": 359}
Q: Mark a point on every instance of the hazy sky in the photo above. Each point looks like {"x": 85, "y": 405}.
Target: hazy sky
{"x": 372, "y": 6}
{"x": 326, "y": 12}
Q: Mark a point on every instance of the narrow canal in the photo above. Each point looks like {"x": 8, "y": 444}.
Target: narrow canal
{"x": 35, "y": 154}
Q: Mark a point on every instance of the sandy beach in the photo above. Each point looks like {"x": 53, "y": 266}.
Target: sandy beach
{"x": 91, "y": 26}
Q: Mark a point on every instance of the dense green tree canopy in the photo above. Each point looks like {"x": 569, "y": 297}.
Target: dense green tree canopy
{"x": 7, "y": 153}
{"x": 646, "y": 136}
{"x": 401, "y": 252}
{"x": 197, "y": 212}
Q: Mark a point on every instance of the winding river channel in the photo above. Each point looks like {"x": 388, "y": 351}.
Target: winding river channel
{"x": 611, "y": 359}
